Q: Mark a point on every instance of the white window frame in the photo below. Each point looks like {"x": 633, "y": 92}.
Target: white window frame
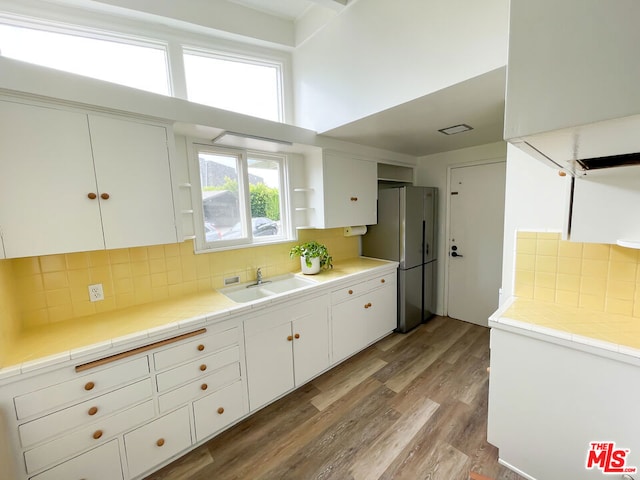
{"x": 95, "y": 34}
{"x": 246, "y": 59}
{"x": 285, "y": 235}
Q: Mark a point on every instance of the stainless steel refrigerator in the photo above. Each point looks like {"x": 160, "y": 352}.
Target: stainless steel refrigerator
{"x": 406, "y": 232}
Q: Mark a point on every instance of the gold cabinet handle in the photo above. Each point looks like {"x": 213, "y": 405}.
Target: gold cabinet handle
{"x": 368, "y": 305}
{"x": 382, "y": 280}
{"x": 97, "y": 434}
{"x": 92, "y": 411}
{"x": 89, "y": 386}
{"x": 354, "y": 199}
{"x": 204, "y": 386}
{"x": 297, "y": 335}
{"x": 350, "y": 292}
{"x": 160, "y": 442}
{"x": 104, "y": 196}
{"x": 290, "y": 338}
{"x": 91, "y": 196}
{"x": 220, "y": 411}
{"x": 203, "y": 367}
{"x": 200, "y": 347}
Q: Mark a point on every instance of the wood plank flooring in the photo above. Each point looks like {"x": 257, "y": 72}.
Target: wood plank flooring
{"x": 412, "y": 406}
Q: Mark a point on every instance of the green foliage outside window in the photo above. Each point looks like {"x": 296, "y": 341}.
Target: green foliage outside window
{"x": 265, "y": 201}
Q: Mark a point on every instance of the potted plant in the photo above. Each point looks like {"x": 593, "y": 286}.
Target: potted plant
{"x": 314, "y": 257}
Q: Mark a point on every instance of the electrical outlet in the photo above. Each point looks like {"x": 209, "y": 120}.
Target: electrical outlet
{"x": 95, "y": 292}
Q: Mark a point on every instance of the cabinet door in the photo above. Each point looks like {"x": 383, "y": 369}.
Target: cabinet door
{"x": 310, "y": 343}
{"x": 348, "y": 327}
{"x": 46, "y": 173}
{"x": 269, "y": 364}
{"x": 350, "y": 191}
{"x": 132, "y": 168}
{"x": 381, "y": 316}
{"x": 102, "y": 463}
{"x": 218, "y": 410}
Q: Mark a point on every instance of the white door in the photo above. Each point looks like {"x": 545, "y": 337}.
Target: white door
{"x": 476, "y": 219}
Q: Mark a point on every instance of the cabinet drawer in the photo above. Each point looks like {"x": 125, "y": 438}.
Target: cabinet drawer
{"x": 218, "y": 410}
{"x": 204, "y": 385}
{"x": 196, "y": 348}
{"x": 83, "y": 413}
{"x": 381, "y": 281}
{"x": 102, "y": 463}
{"x": 190, "y": 371}
{"x": 80, "y": 388}
{"x": 157, "y": 441}
{"x": 348, "y": 292}
{"x": 60, "y": 448}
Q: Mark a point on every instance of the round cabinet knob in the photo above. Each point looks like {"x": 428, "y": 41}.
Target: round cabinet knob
{"x": 297, "y": 335}
{"x": 368, "y": 305}
{"x": 92, "y": 411}
{"x": 203, "y": 367}
{"x": 89, "y": 386}
{"x": 97, "y": 434}
{"x": 204, "y": 386}
{"x": 350, "y": 292}
{"x": 160, "y": 442}
{"x": 354, "y": 199}
{"x": 200, "y": 347}
{"x": 92, "y": 196}
{"x": 382, "y": 280}
{"x": 290, "y": 338}
{"x": 562, "y": 173}
{"x": 104, "y": 196}
{"x": 220, "y": 410}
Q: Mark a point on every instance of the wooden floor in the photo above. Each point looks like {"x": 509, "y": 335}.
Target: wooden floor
{"x": 412, "y": 406}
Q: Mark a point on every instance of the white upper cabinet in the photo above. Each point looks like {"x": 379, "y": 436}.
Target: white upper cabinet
{"x": 75, "y": 182}
{"x": 341, "y": 191}
{"x": 572, "y": 79}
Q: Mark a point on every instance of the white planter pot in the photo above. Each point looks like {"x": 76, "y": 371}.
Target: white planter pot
{"x": 313, "y": 269}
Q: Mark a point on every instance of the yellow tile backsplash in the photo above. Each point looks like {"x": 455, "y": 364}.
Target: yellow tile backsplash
{"x": 36, "y": 291}
{"x": 600, "y": 277}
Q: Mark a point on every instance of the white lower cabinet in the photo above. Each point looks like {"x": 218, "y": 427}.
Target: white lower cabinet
{"x": 157, "y": 441}
{"x": 214, "y": 412}
{"x": 285, "y": 347}
{"x": 362, "y": 313}
{"x": 101, "y": 463}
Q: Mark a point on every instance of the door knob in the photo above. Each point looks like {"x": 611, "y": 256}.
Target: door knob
{"x": 456, "y": 254}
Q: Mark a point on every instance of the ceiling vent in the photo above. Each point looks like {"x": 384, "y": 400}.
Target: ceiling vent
{"x": 463, "y": 127}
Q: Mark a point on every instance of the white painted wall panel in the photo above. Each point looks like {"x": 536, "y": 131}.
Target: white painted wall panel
{"x": 377, "y": 54}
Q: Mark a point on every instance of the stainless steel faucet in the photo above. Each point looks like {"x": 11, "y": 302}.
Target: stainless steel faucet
{"x": 259, "y": 277}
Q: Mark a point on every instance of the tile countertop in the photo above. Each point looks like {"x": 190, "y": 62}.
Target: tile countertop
{"x": 80, "y": 337}
{"x": 571, "y": 325}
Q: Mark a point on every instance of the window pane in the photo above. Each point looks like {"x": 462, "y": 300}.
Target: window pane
{"x": 264, "y": 190}
{"x": 249, "y": 88}
{"x": 220, "y": 197}
{"x": 143, "y": 67}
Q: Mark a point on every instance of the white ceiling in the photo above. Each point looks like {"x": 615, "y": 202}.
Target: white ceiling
{"x": 288, "y": 9}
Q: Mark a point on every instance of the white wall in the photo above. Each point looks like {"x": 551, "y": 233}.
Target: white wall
{"x": 379, "y": 53}
{"x": 535, "y": 200}
{"x": 432, "y": 172}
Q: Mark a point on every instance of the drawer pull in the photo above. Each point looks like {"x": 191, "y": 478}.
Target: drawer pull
{"x": 204, "y": 386}
{"x": 368, "y": 305}
{"x": 297, "y": 335}
{"x": 97, "y": 434}
{"x": 354, "y": 199}
{"x": 382, "y": 280}
{"x": 290, "y": 338}
{"x": 350, "y": 292}
{"x": 92, "y": 196}
{"x": 89, "y": 386}
{"x": 92, "y": 411}
{"x": 160, "y": 442}
{"x": 200, "y": 347}
{"x": 220, "y": 411}
{"x": 203, "y": 367}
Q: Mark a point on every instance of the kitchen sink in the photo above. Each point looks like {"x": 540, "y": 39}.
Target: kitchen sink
{"x": 274, "y": 286}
